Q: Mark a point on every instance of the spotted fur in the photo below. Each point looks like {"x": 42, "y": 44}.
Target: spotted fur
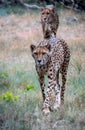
{"x": 49, "y": 21}
{"x": 52, "y": 57}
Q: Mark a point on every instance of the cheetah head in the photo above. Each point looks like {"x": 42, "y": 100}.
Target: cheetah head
{"x": 41, "y": 54}
{"x": 46, "y": 14}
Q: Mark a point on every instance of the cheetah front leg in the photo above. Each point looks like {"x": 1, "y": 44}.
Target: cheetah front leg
{"x": 47, "y": 31}
{"x": 58, "y": 98}
{"x": 46, "y": 106}
{"x": 42, "y": 85}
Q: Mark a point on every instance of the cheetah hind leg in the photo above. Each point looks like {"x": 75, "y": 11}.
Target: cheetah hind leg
{"x": 64, "y": 76}
{"x": 57, "y": 90}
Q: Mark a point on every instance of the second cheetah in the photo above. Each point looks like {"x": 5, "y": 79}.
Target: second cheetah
{"x": 49, "y": 21}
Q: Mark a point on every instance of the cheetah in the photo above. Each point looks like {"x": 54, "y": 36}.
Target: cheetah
{"x": 51, "y": 58}
{"x": 49, "y": 21}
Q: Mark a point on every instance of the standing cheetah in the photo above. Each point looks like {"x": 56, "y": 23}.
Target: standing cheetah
{"x": 51, "y": 57}
{"x": 49, "y": 21}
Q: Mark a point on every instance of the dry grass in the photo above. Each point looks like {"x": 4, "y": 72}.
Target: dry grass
{"x": 17, "y": 70}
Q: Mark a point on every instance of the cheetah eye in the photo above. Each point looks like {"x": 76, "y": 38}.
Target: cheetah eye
{"x": 47, "y": 13}
{"x": 35, "y": 53}
{"x": 42, "y": 13}
{"x": 43, "y": 53}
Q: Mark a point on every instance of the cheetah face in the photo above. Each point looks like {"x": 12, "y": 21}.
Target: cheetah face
{"x": 41, "y": 55}
{"x": 47, "y": 14}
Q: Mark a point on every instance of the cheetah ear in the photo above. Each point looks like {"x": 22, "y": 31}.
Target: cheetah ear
{"x": 53, "y": 10}
{"x": 42, "y": 9}
{"x": 48, "y": 46}
{"x": 32, "y": 47}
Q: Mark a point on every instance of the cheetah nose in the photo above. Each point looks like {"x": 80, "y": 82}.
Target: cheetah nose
{"x": 45, "y": 19}
{"x": 39, "y": 61}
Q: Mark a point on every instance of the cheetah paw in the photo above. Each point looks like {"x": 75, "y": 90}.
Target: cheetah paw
{"x": 56, "y": 106}
{"x": 46, "y": 111}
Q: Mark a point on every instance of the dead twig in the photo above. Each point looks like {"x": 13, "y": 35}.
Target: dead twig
{"x": 29, "y": 6}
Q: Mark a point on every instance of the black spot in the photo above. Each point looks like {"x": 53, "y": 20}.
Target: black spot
{"x": 41, "y": 84}
{"x": 49, "y": 76}
{"x": 50, "y": 69}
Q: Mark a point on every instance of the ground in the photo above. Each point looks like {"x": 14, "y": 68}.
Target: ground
{"x": 20, "y": 94}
